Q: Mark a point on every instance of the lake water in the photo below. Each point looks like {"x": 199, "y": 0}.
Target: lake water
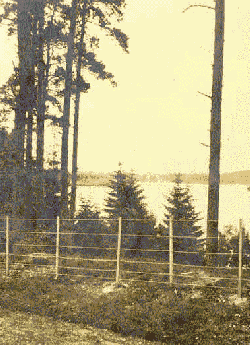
{"x": 234, "y": 200}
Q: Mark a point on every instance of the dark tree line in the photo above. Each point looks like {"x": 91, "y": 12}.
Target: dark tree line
{"x": 55, "y": 47}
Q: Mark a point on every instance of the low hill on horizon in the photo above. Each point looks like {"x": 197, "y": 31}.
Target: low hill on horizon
{"x": 103, "y": 179}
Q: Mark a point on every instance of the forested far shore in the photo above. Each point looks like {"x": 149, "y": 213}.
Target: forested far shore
{"x": 103, "y": 179}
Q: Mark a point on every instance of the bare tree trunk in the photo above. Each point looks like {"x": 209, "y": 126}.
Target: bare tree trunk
{"x": 26, "y": 84}
{"x": 41, "y": 91}
{"x": 76, "y": 117}
{"x": 66, "y": 112}
{"x": 24, "y": 29}
{"x": 41, "y": 87}
{"x": 32, "y": 93}
{"x": 215, "y": 136}
{"x": 29, "y": 161}
{"x": 74, "y": 157}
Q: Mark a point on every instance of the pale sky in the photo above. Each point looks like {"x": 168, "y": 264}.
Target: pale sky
{"x": 155, "y": 120}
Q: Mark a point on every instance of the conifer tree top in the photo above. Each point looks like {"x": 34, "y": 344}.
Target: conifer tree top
{"x": 125, "y": 198}
{"x": 181, "y": 208}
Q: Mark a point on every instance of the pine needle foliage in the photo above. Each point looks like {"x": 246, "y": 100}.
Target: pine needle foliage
{"x": 88, "y": 226}
{"x": 126, "y": 200}
{"x": 185, "y": 219}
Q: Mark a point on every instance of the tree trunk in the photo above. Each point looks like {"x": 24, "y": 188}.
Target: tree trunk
{"x": 32, "y": 92}
{"x": 41, "y": 87}
{"x": 74, "y": 157}
{"x": 76, "y": 117}
{"x": 41, "y": 91}
{"x": 215, "y": 136}
{"x": 66, "y": 112}
{"x": 29, "y": 161}
{"x": 26, "y": 84}
{"x": 24, "y": 29}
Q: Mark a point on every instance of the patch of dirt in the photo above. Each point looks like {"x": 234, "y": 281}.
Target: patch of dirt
{"x": 101, "y": 289}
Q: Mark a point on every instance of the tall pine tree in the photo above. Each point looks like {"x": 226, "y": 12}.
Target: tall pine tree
{"x": 184, "y": 223}
{"x": 126, "y": 200}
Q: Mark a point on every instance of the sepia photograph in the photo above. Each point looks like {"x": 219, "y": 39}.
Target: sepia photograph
{"x": 124, "y": 172}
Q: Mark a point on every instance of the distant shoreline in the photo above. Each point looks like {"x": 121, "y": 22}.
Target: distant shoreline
{"x": 99, "y": 179}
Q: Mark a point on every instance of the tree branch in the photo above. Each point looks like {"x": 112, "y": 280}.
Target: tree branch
{"x": 205, "y": 145}
{"x": 204, "y": 94}
{"x": 211, "y": 8}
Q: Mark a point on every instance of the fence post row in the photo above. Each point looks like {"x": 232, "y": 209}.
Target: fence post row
{"x": 171, "y": 251}
{"x": 57, "y": 244}
{"x": 240, "y": 258}
{"x": 7, "y": 246}
{"x": 118, "y": 249}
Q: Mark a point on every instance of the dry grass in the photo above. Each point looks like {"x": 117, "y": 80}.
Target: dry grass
{"x": 17, "y": 328}
{"x": 142, "y": 309}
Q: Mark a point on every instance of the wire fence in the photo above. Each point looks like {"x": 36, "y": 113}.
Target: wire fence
{"x": 117, "y": 250}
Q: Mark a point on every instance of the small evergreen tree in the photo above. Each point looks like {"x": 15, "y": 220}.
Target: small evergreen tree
{"x": 88, "y": 223}
{"x": 184, "y": 223}
{"x": 126, "y": 200}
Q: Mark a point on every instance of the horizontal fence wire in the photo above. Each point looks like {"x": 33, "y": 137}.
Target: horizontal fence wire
{"x": 31, "y": 219}
{"x": 42, "y": 232}
{"x": 197, "y": 266}
{"x": 87, "y": 276}
{"x": 33, "y": 245}
{"x": 219, "y": 253}
{"x": 86, "y": 233}
{"x": 88, "y": 259}
{"x": 136, "y": 219}
{"x": 60, "y": 224}
{"x": 28, "y": 265}
{"x": 86, "y": 219}
{"x": 33, "y": 254}
{"x": 144, "y": 262}
{"x": 142, "y": 272}
{"x": 219, "y": 278}
{"x": 134, "y": 235}
{"x": 147, "y": 250}
{"x": 87, "y": 269}
{"x": 71, "y": 233}
{"x": 189, "y": 252}
{"x": 87, "y": 247}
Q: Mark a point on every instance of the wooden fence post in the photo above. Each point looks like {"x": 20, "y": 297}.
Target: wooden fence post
{"x": 57, "y": 244}
{"x": 240, "y": 258}
{"x": 171, "y": 251}
{"x": 118, "y": 250}
{"x": 7, "y": 247}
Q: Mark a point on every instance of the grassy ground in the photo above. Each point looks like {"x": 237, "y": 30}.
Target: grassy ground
{"x": 37, "y": 309}
{"x": 19, "y": 328}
